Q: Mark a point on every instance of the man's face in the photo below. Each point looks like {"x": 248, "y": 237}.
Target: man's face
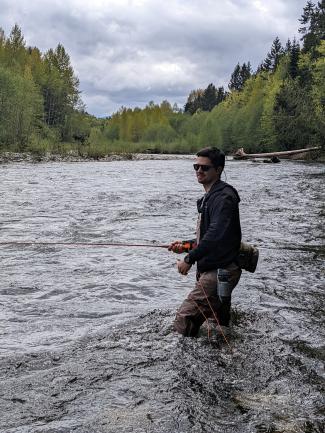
{"x": 206, "y": 177}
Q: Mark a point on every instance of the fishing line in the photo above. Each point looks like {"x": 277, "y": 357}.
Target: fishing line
{"x": 82, "y": 244}
{"x": 205, "y": 317}
{"x": 215, "y": 316}
{"x": 115, "y": 244}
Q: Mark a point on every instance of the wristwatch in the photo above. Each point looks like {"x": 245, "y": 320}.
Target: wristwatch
{"x": 187, "y": 259}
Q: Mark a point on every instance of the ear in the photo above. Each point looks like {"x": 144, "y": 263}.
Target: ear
{"x": 219, "y": 170}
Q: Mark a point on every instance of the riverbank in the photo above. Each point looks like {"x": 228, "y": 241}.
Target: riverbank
{"x": 8, "y": 157}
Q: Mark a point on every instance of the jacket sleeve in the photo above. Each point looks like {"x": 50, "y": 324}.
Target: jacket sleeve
{"x": 221, "y": 214}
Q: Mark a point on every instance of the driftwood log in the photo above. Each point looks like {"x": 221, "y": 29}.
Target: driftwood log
{"x": 240, "y": 153}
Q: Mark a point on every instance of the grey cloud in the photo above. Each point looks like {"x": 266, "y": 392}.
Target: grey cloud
{"x": 126, "y": 53}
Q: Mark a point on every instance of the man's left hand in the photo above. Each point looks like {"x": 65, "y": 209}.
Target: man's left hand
{"x": 183, "y": 267}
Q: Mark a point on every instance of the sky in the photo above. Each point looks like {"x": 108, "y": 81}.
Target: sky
{"x": 129, "y": 52}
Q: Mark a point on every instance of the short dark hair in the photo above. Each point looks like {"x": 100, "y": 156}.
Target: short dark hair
{"x": 216, "y": 156}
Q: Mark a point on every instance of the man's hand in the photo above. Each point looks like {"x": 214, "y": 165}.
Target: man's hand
{"x": 176, "y": 247}
{"x": 183, "y": 267}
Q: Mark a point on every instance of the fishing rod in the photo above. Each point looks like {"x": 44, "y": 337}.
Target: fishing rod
{"x": 184, "y": 249}
{"x": 82, "y": 244}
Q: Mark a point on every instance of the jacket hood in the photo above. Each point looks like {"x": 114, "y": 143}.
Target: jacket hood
{"x": 217, "y": 188}
{"x": 220, "y": 186}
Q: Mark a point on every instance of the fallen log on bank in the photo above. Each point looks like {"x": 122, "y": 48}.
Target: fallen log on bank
{"x": 240, "y": 153}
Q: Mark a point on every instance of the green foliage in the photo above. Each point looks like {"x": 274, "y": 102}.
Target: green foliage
{"x": 36, "y": 92}
{"x": 20, "y": 109}
{"x": 280, "y": 106}
{"x": 236, "y": 122}
{"x": 77, "y": 127}
{"x": 313, "y": 26}
{"x": 294, "y": 117}
{"x": 159, "y": 132}
{"x": 39, "y": 146}
{"x": 317, "y": 89}
{"x": 60, "y": 87}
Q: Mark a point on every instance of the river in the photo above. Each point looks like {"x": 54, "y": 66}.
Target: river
{"x": 86, "y": 340}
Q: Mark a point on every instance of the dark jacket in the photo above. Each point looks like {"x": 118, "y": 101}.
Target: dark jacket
{"x": 220, "y": 232}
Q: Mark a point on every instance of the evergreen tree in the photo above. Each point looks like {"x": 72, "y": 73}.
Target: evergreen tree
{"x": 288, "y": 47}
{"x": 2, "y": 37}
{"x": 240, "y": 76}
{"x": 194, "y": 101}
{"x": 276, "y": 52}
{"x": 221, "y": 95}
{"x": 319, "y": 23}
{"x": 294, "y": 117}
{"x": 294, "y": 59}
{"x": 245, "y": 73}
{"x": 15, "y": 56}
{"x": 2, "y": 46}
{"x": 60, "y": 61}
{"x": 267, "y": 64}
{"x": 313, "y": 25}
{"x": 60, "y": 88}
{"x": 259, "y": 69}
{"x": 235, "y": 82}
{"x": 209, "y": 98}
{"x": 272, "y": 59}
{"x": 176, "y": 109}
{"x": 16, "y": 39}
{"x": 307, "y": 17}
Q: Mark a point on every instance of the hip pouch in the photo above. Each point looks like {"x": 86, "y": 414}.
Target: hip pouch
{"x": 247, "y": 257}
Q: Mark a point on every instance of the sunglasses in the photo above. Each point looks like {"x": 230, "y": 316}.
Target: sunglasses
{"x": 202, "y": 166}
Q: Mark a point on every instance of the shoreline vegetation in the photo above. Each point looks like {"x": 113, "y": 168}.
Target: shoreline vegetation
{"x": 32, "y": 158}
{"x": 278, "y": 107}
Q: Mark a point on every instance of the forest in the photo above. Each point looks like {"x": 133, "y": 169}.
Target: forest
{"x": 280, "y": 106}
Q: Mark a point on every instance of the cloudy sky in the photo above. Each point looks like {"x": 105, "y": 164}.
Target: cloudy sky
{"x": 129, "y": 52}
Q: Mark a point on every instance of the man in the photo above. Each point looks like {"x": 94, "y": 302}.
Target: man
{"x": 215, "y": 251}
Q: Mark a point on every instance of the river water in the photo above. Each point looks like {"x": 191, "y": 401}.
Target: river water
{"x": 86, "y": 340}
